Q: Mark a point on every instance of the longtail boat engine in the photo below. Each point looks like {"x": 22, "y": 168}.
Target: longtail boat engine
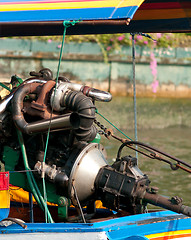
{"x": 70, "y": 160}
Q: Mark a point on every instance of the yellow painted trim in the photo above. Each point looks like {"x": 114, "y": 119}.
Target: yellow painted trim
{"x": 69, "y": 5}
{"x": 4, "y": 199}
{"x": 172, "y": 233}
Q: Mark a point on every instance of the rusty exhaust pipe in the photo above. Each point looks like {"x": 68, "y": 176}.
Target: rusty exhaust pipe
{"x": 66, "y": 121}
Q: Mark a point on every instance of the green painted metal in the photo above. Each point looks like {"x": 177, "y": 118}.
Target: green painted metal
{"x": 63, "y": 204}
{"x": 10, "y": 159}
{"x": 97, "y": 139}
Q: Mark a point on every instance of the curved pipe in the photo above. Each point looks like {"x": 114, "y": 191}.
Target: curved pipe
{"x": 97, "y": 94}
{"x": 4, "y": 103}
{"x": 84, "y": 107}
{"x": 69, "y": 121}
{"x": 63, "y": 87}
{"x": 44, "y": 94}
{"x": 94, "y": 93}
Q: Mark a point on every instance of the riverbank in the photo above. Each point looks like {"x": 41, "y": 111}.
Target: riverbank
{"x": 160, "y": 72}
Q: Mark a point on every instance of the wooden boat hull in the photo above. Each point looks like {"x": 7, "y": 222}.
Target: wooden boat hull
{"x": 161, "y": 225}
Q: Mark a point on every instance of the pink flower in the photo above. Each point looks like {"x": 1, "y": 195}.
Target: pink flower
{"x": 145, "y": 42}
{"x": 153, "y": 67}
{"x": 159, "y": 35}
{"x": 120, "y": 38}
{"x": 108, "y": 48}
{"x": 155, "y": 85}
{"x": 139, "y": 37}
{"x": 111, "y": 40}
{"x": 168, "y": 36}
{"x": 130, "y": 37}
{"x": 49, "y": 40}
{"x": 155, "y": 43}
{"x": 59, "y": 46}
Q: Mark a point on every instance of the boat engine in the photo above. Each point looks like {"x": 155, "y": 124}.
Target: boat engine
{"x": 72, "y": 162}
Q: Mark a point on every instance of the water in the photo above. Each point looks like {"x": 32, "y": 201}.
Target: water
{"x": 162, "y": 123}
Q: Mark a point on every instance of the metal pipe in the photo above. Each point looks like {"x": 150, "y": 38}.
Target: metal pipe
{"x": 56, "y": 27}
{"x": 5, "y": 102}
{"x": 69, "y": 121}
{"x": 97, "y": 94}
{"x": 17, "y": 104}
{"x": 166, "y": 203}
{"x": 31, "y": 207}
{"x": 65, "y": 122}
{"x": 62, "y": 88}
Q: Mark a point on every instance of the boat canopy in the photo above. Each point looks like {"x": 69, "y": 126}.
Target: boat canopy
{"x": 45, "y": 17}
{"x": 60, "y": 10}
{"x": 163, "y": 16}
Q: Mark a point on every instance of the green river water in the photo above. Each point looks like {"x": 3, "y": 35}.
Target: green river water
{"x": 162, "y": 123}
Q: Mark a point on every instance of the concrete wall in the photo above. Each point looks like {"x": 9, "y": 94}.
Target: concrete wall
{"x": 84, "y": 63}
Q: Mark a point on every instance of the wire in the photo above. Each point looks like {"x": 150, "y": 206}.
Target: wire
{"x": 134, "y": 91}
{"x": 31, "y": 180}
{"x": 113, "y": 125}
{"x": 66, "y": 24}
{"x": 78, "y": 202}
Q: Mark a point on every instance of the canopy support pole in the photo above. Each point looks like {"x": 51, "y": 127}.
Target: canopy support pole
{"x": 134, "y": 91}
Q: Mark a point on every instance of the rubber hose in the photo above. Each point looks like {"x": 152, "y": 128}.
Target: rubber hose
{"x": 83, "y": 105}
{"x": 32, "y": 183}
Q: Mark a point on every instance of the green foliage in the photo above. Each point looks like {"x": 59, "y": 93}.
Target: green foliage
{"x": 115, "y": 41}
{"x": 110, "y": 43}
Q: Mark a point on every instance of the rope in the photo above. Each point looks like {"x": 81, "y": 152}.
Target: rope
{"x": 4, "y": 86}
{"x": 134, "y": 82}
{"x": 66, "y": 24}
{"x": 113, "y": 125}
{"x": 134, "y": 91}
{"x": 31, "y": 180}
{"x": 23, "y": 171}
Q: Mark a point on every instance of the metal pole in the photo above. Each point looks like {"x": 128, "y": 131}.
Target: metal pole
{"x": 31, "y": 208}
{"x": 134, "y": 91}
{"x": 109, "y": 78}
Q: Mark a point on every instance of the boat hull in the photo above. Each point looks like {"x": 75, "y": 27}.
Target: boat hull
{"x": 156, "y": 225}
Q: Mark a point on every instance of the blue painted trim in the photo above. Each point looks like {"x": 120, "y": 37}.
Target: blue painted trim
{"x": 119, "y": 228}
{"x": 67, "y": 14}
{"x": 4, "y": 213}
{"x": 125, "y": 12}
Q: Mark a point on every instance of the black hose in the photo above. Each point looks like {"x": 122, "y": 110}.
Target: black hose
{"x": 148, "y": 148}
{"x": 83, "y": 105}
